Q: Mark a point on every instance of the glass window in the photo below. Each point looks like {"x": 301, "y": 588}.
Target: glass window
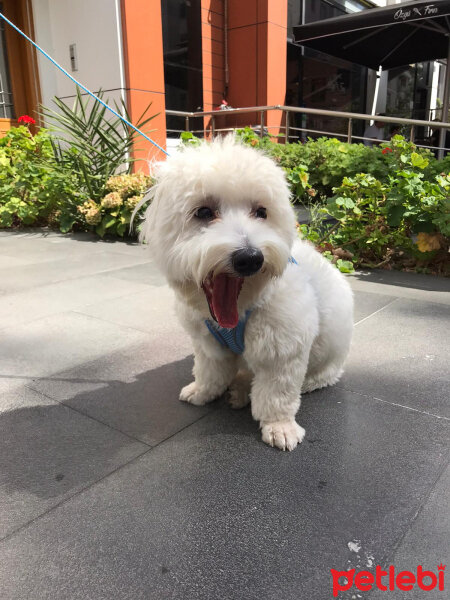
{"x": 6, "y": 98}
{"x": 317, "y": 80}
{"x": 182, "y": 44}
{"x": 319, "y": 10}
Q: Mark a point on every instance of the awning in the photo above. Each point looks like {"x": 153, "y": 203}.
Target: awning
{"x": 389, "y": 37}
{"x": 398, "y": 35}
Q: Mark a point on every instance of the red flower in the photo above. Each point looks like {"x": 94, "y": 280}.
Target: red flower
{"x": 386, "y": 150}
{"x": 26, "y": 119}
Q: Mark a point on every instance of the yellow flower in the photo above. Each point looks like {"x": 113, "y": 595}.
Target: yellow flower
{"x": 112, "y": 200}
{"x": 132, "y": 202}
{"x": 128, "y": 184}
{"x": 91, "y": 212}
{"x": 427, "y": 242}
{"x": 93, "y": 216}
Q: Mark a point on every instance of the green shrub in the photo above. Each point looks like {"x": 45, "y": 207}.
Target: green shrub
{"x": 33, "y": 187}
{"x": 389, "y": 203}
{"x": 325, "y": 161}
{"x": 59, "y": 178}
{"x": 401, "y": 222}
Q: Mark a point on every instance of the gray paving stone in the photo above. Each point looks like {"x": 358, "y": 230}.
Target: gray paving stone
{"x": 9, "y": 261}
{"x": 367, "y": 303}
{"x": 401, "y": 355}
{"x": 403, "y": 285}
{"x": 213, "y": 513}
{"x": 33, "y": 249}
{"x": 145, "y": 273}
{"x": 132, "y": 391}
{"x": 426, "y": 543}
{"x": 210, "y": 512}
{"x": 76, "y": 242}
{"x": 71, "y": 266}
{"x": 55, "y": 343}
{"x": 8, "y": 383}
{"x": 151, "y": 310}
{"x": 48, "y": 452}
{"x": 130, "y": 248}
{"x": 428, "y": 283}
{"x": 28, "y": 305}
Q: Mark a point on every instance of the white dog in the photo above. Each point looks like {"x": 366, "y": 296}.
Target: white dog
{"x": 222, "y": 230}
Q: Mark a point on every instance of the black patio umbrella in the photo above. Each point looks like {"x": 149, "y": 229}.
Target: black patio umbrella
{"x": 389, "y": 37}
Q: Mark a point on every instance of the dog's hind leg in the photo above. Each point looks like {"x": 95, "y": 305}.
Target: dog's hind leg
{"x": 240, "y": 389}
{"x": 328, "y": 376}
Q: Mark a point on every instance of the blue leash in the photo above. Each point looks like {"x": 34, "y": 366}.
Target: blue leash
{"x": 81, "y": 85}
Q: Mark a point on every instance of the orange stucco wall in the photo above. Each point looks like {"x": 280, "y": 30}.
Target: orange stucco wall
{"x": 257, "y": 34}
{"x": 257, "y": 54}
{"x": 144, "y": 71}
{"x": 6, "y": 124}
{"x": 213, "y": 53}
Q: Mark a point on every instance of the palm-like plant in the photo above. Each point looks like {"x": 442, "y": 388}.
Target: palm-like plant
{"x": 89, "y": 143}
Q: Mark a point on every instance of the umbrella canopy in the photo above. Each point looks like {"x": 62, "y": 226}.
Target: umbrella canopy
{"x": 401, "y": 34}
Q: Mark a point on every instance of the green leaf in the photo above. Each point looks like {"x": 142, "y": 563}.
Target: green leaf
{"x": 108, "y": 221}
{"x": 121, "y": 228}
{"x": 418, "y": 161}
{"x": 395, "y": 215}
{"x": 66, "y": 223}
{"x": 345, "y": 266}
{"x": 100, "y": 230}
{"x": 348, "y": 203}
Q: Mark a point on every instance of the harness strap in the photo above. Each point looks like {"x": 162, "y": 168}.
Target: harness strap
{"x": 233, "y": 339}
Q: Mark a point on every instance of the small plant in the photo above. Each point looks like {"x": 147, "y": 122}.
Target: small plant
{"x": 189, "y": 139}
{"x": 33, "y": 187}
{"x": 90, "y": 144}
{"x": 405, "y": 225}
{"x": 112, "y": 214}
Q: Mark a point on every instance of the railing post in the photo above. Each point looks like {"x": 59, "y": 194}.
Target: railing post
{"x": 186, "y": 123}
{"x": 286, "y": 135}
{"x": 349, "y": 130}
{"x": 411, "y": 134}
{"x": 261, "y": 133}
{"x": 213, "y": 126}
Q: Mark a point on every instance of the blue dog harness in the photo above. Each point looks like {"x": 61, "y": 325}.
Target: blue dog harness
{"x": 233, "y": 338}
{"x": 230, "y": 338}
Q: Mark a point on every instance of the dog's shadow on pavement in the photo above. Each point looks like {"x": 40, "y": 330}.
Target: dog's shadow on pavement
{"x": 86, "y": 425}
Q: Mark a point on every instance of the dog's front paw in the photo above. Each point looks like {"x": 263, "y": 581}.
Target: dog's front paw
{"x": 194, "y": 395}
{"x": 285, "y": 435}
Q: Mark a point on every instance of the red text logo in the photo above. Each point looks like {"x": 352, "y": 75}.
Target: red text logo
{"x": 388, "y": 580}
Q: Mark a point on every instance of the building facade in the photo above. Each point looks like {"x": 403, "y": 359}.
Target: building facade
{"x": 189, "y": 55}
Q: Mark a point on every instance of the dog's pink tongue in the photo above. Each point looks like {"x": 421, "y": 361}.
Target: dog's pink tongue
{"x": 224, "y": 299}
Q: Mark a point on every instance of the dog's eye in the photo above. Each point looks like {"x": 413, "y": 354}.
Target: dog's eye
{"x": 204, "y": 213}
{"x": 261, "y": 213}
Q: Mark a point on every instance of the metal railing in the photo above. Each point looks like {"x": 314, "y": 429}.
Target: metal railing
{"x": 290, "y": 131}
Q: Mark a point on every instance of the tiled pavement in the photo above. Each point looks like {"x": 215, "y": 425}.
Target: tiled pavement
{"x": 112, "y": 489}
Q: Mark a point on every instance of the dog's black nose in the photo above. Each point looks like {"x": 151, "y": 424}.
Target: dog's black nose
{"x": 247, "y": 261}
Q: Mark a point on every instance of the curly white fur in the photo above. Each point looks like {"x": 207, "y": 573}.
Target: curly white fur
{"x": 299, "y": 331}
